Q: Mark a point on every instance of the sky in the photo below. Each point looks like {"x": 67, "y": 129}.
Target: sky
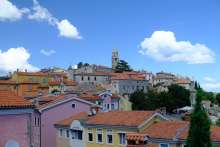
{"x": 181, "y": 36}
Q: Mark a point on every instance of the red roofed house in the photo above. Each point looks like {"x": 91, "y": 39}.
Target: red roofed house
{"x": 19, "y": 122}
{"x": 53, "y": 108}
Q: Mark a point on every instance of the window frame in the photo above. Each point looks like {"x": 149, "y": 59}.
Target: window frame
{"x": 109, "y": 132}
{"x": 60, "y": 132}
{"x": 120, "y": 139}
{"x": 98, "y": 132}
{"x": 90, "y": 132}
{"x": 164, "y": 144}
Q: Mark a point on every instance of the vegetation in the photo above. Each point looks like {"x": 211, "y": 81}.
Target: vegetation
{"x": 176, "y": 97}
{"x": 81, "y": 64}
{"x": 122, "y": 66}
{"x": 199, "y": 132}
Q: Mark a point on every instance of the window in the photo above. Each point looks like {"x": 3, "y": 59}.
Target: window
{"x": 35, "y": 121}
{"x": 67, "y": 133}
{"x": 183, "y": 145}
{"x": 30, "y": 87}
{"x": 82, "y": 78}
{"x": 108, "y": 106}
{"x": 77, "y": 134}
{"x": 90, "y": 135}
{"x": 99, "y": 136}
{"x": 109, "y": 137}
{"x": 61, "y": 132}
{"x": 112, "y": 106}
{"x": 95, "y": 78}
{"x": 122, "y": 138}
{"x": 38, "y": 121}
{"x": 88, "y": 78}
{"x": 164, "y": 145}
{"x": 73, "y": 106}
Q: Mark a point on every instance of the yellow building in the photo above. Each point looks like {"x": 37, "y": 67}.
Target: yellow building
{"x": 105, "y": 129}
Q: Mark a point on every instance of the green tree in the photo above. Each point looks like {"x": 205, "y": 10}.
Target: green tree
{"x": 122, "y": 66}
{"x": 199, "y": 132}
{"x": 218, "y": 98}
{"x": 138, "y": 99}
{"x": 218, "y": 122}
{"x": 79, "y": 65}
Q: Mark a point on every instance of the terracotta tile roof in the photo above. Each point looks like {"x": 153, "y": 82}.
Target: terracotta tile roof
{"x": 172, "y": 128}
{"x": 127, "y": 76}
{"x": 7, "y": 82}
{"x": 50, "y": 99}
{"x": 8, "y": 100}
{"x": 68, "y": 121}
{"x": 120, "y": 118}
{"x": 175, "y": 129}
{"x": 96, "y": 74}
{"x": 135, "y": 137}
{"x": 32, "y": 73}
{"x": 89, "y": 96}
{"x": 182, "y": 81}
{"x": 66, "y": 82}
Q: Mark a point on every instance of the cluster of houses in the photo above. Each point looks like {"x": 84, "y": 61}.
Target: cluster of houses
{"x": 88, "y": 106}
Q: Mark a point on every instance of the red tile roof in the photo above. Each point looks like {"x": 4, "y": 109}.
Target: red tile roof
{"x": 8, "y": 100}
{"x": 127, "y": 76}
{"x": 32, "y": 73}
{"x": 8, "y": 82}
{"x": 68, "y": 121}
{"x": 66, "y": 82}
{"x": 120, "y": 118}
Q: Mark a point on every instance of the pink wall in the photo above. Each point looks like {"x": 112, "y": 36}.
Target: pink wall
{"x": 14, "y": 127}
{"x": 55, "y": 114}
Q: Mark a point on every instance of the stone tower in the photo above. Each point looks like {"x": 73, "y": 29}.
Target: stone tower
{"x": 115, "y": 58}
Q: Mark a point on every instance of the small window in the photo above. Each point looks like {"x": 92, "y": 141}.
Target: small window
{"x": 122, "y": 138}
{"x": 99, "y": 136}
{"x": 164, "y": 145}
{"x": 35, "y": 121}
{"x": 61, "y": 132}
{"x": 82, "y": 78}
{"x": 88, "y": 78}
{"x": 73, "y": 106}
{"x": 67, "y": 134}
{"x": 38, "y": 121}
{"x": 90, "y": 136}
{"x": 77, "y": 134}
{"x": 112, "y": 106}
{"x": 95, "y": 78}
{"x": 108, "y": 106}
{"x": 109, "y": 137}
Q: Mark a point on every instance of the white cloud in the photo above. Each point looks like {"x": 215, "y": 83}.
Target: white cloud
{"x": 47, "y": 52}
{"x": 41, "y": 14}
{"x": 68, "y": 30}
{"x": 209, "y": 79}
{"x": 15, "y": 58}
{"x": 215, "y": 86}
{"x": 10, "y": 12}
{"x": 163, "y": 46}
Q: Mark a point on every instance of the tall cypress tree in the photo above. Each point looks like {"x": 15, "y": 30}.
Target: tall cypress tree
{"x": 199, "y": 132}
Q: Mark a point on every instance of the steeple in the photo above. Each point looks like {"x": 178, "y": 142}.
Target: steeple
{"x": 115, "y": 58}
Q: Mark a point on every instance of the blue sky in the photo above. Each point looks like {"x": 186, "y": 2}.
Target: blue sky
{"x": 97, "y": 26}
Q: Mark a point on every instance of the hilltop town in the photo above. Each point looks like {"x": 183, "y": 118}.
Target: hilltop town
{"x": 96, "y": 105}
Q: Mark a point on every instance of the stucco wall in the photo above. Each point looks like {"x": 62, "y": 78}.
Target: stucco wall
{"x": 14, "y": 127}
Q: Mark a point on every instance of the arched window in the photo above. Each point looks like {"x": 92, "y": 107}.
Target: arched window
{"x": 12, "y": 143}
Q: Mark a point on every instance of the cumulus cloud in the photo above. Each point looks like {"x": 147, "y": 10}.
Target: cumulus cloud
{"x": 163, "y": 46}
{"x": 15, "y": 58}
{"x": 47, "y": 52}
{"x": 68, "y": 30}
{"x": 65, "y": 28}
{"x": 10, "y": 12}
{"x": 209, "y": 79}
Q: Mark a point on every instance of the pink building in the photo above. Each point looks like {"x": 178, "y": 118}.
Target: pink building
{"x": 55, "y": 108}
{"x": 19, "y": 122}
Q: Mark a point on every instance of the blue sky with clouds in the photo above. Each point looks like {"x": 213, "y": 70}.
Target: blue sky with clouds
{"x": 176, "y": 36}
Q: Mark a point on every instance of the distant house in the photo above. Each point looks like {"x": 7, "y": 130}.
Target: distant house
{"x": 53, "y": 108}
{"x": 128, "y": 82}
{"x": 108, "y": 101}
{"x": 26, "y": 89}
{"x": 170, "y": 133}
{"x": 62, "y": 86}
{"x": 20, "y": 123}
{"x": 103, "y": 129}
